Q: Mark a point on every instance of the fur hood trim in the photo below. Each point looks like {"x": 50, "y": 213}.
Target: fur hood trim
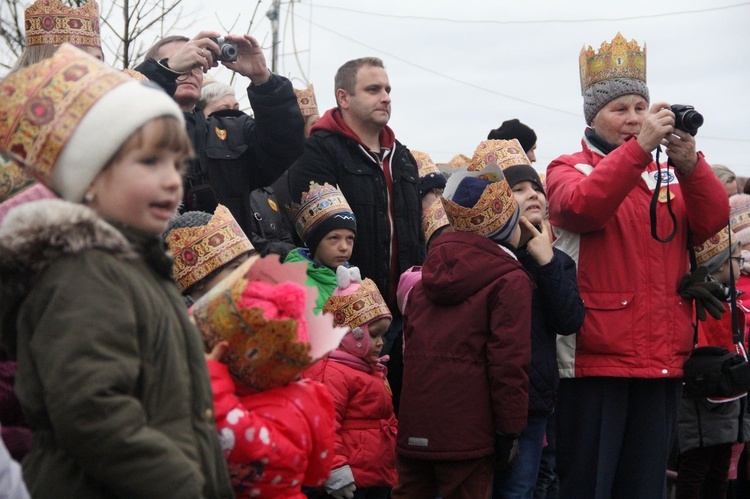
{"x": 35, "y": 234}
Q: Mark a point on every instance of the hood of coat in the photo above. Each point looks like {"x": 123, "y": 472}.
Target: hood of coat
{"x": 35, "y": 234}
{"x": 459, "y": 264}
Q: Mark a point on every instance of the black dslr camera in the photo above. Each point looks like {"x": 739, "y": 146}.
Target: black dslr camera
{"x": 686, "y": 118}
{"x": 227, "y": 50}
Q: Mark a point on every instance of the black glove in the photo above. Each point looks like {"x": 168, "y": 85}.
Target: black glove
{"x": 506, "y": 451}
{"x": 707, "y": 294}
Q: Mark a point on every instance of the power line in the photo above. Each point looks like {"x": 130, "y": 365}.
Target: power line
{"x": 536, "y": 21}
{"x": 473, "y": 85}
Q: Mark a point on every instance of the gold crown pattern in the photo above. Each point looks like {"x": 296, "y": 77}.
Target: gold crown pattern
{"x": 425, "y": 165}
{"x": 458, "y": 161}
{"x": 434, "y": 218}
{"x": 263, "y": 353}
{"x": 713, "y": 246}
{"x": 739, "y": 216}
{"x": 198, "y": 251}
{"x": 316, "y": 205}
{"x": 616, "y": 59}
{"x": 495, "y": 207}
{"x": 136, "y": 75}
{"x": 13, "y": 179}
{"x": 359, "y": 308}
{"x": 42, "y": 105}
{"x": 306, "y": 100}
{"x": 54, "y": 23}
{"x": 503, "y": 153}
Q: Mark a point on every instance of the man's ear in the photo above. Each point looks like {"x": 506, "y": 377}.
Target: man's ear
{"x": 342, "y": 98}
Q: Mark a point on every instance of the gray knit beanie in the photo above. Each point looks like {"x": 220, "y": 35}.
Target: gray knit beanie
{"x": 600, "y": 93}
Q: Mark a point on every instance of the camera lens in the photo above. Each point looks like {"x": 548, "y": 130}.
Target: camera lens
{"x": 229, "y": 53}
{"x": 692, "y": 119}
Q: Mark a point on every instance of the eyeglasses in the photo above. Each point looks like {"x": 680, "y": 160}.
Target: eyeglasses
{"x": 740, "y": 260}
{"x": 197, "y": 71}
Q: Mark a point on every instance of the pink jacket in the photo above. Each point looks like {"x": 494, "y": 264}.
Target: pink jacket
{"x": 277, "y": 440}
{"x": 636, "y": 324}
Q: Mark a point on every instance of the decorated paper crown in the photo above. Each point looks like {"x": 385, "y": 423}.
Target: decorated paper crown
{"x": 710, "y": 252}
{"x": 503, "y": 153}
{"x": 264, "y": 310}
{"x": 434, "y": 218}
{"x": 493, "y": 211}
{"x": 739, "y": 217}
{"x": 136, "y": 75}
{"x": 53, "y": 111}
{"x": 618, "y": 59}
{"x": 54, "y": 23}
{"x": 198, "y": 251}
{"x": 319, "y": 204}
{"x": 358, "y": 308}
{"x": 306, "y": 100}
{"x": 425, "y": 165}
{"x": 13, "y": 179}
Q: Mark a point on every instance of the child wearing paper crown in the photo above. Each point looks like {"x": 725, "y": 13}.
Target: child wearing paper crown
{"x": 354, "y": 373}
{"x": 708, "y": 428}
{"x": 325, "y": 222}
{"x": 276, "y": 432}
{"x": 206, "y": 248}
{"x": 475, "y": 375}
{"x": 111, "y": 373}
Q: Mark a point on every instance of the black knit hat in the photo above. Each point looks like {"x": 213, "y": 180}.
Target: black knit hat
{"x": 514, "y": 129}
{"x": 521, "y": 173}
{"x": 333, "y": 222}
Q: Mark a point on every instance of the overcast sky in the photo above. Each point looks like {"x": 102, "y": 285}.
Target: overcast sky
{"x": 458, "y": 69}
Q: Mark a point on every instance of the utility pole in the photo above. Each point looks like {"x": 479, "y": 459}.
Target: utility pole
{"x": 273, "y": 15}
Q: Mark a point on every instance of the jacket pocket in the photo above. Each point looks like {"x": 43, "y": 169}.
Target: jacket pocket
{"x": 359, "y": 183}
{"x": 608, "y": 324}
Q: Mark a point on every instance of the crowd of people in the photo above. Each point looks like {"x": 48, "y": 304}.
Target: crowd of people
{"x": 196, "y": 302}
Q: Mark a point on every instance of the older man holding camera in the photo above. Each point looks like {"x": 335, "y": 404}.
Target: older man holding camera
{"x": 236, "y": 153}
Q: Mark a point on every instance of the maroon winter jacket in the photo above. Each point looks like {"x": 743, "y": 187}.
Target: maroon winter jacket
{"x": 467, "y": 348}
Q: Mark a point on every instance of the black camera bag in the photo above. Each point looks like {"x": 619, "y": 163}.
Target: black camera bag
{"x": 716, "y": 372}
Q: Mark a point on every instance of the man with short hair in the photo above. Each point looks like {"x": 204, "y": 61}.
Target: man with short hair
{"x": 351, "y": 146}
{"x": 236, "y": 153}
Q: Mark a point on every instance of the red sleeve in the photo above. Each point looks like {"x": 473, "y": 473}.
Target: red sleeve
{"x": 584, "y": 203}
{"x": 322, "y": 423}
{"x": 336, "y": 383}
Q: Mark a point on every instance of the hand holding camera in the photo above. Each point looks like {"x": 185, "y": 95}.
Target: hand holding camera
{"x": 250, "y": 60}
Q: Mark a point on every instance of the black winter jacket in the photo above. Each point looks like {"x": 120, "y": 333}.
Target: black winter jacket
{"x": 556, "y": 308}
{"x": 270, "y": 228}
{"x": 237, "y": 153}
{"x": 339, "y": 160}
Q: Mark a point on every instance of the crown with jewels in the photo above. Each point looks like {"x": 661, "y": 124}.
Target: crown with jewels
{"x": 54, "y": 23}
{"x": 503, "y": 153}
{"x": 616, "y": 59}
{"x": 306, "y": 100}
{"x": 319, "y": 203}
{"x": 264, "y": 310}
{"x": 425, "y": 165}
{"x": 13, "y": 179}
{"x": 198, "y": 251}
{"x": 434, "y": 218}
{"x": 364, "y": 305}
{"x": 713, "y": 246}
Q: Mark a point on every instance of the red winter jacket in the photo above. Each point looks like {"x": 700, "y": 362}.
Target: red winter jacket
{"x": 467, "y": 348}
{"x": 277, "y": 440}
{"x": 365, "y": 424}
{"x": 636, "y": 325}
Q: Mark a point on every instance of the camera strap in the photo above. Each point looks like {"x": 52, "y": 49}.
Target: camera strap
{"x": 655, "y": 201}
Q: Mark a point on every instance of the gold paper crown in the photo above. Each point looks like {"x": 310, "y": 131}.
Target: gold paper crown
{"x": 434, "y": 218}
{"x": 503, "y": 153}
{"x": 618, "y": 59}
{"x": 136, "y": 75}
{"x": 425, "y": 165}
{"x": 13, "y": 179}
{"x": 317, "y": 204}
{"x": 42, "y": 105}
{"x": 306, "y": 100}
{"x": 357, "y": 309}
{"x": 54, "y": 23}
{"x": 264, "y": 353}
{"x": 459, "y": 160}
{"x": 198, "y": 251}
{"x": 713, "y": 246}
